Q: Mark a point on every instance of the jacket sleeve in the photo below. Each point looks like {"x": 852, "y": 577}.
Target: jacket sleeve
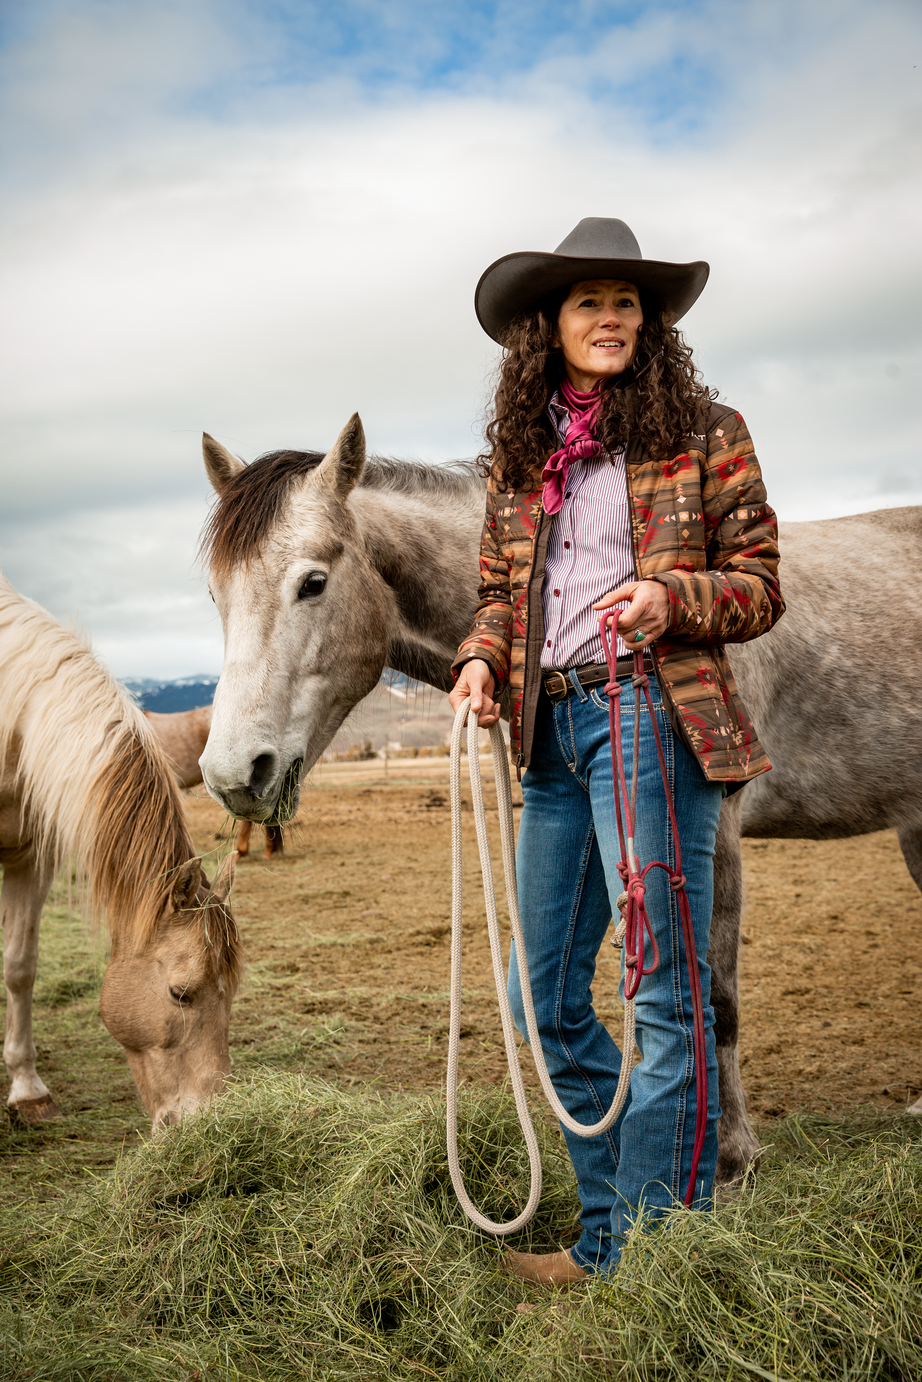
{"x": 490, "y": 637}
{"x": 738, "y": 596}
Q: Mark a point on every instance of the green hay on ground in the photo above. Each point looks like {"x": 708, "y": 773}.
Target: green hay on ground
{"x": 294, "y": 1231}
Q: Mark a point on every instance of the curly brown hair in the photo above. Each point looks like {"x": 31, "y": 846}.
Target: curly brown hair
{"x": 663, "y": 405}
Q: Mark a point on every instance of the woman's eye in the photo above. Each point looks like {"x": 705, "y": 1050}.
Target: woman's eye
{"x": 180, "y": 995}
{"x": 312, "y": 585}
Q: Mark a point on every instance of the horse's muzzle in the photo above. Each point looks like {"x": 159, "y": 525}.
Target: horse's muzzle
{"x": 248, "y": 790}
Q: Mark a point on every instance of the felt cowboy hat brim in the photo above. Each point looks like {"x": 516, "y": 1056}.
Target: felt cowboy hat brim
{"x": 599, "y": 247}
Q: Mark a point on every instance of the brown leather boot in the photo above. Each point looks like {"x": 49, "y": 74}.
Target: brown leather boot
{"x": 544, "y": 1268}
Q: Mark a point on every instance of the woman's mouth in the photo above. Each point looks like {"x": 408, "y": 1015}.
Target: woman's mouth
{"x": 607, "y": 345}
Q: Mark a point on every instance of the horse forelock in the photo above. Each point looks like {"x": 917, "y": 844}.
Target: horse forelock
{"x": 220, "y": 934}
{"x": 252, "y": 504}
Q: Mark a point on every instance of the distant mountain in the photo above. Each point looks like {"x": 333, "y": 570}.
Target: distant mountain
{"x": 185, "y": 693}
{"x": 165, "y": 697}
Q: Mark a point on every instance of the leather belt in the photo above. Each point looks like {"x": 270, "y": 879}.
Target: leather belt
{"x": 558, "y": 684}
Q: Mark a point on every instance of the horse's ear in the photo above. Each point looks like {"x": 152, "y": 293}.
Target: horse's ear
{"x": 224, "y": 878}
{"x": 185, "y": 885}
{"x": 342, "y": 466}
{"x": 220, "y": 463}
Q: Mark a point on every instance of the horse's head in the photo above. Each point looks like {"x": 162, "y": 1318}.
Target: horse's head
{"x": 305, "y": 616}
{"x": 166, "y": 996}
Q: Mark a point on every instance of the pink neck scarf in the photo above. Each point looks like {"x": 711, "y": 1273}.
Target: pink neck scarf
{"x": 579, "y": 443}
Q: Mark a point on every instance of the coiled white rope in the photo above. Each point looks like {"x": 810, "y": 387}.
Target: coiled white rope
{"x": 504, "y": 803}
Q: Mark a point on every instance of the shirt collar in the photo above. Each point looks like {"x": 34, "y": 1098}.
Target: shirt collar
{"x": 559, "y": 414}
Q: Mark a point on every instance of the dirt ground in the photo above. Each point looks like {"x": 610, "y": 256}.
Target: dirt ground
{"x": 348, "y": 943}
{"x": 347, "y": 938}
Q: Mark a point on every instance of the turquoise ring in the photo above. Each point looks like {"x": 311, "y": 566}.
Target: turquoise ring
{"x": 639, "y": 636}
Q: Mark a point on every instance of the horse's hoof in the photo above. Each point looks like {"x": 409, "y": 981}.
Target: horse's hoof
{"x": 732, "y": 1171}
{"x": 28, "y": 1112}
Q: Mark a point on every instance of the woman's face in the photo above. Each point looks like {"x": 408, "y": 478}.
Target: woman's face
{"x": 597, "y": 330}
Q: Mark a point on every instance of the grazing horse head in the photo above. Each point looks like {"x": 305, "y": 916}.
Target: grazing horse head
{"x": 167, "y": 993}
{"x": 321, "y": 577}
{"x": 83, "y": 782}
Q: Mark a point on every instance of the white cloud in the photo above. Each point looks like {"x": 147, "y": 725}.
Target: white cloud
{"x": 262, "y": 279}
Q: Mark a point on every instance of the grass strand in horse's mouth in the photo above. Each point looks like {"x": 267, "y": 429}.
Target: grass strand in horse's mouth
{"x": 289, "y": 795}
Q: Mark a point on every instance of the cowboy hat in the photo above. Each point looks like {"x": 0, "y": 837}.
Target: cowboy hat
{"x": 599, "y": 247}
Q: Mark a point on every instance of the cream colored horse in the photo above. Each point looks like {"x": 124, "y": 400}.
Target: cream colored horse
{"x": 82, "y": 778}
{"x": 183, "y": 736}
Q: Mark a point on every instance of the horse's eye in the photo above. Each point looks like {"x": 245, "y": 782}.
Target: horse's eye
{"x": 312, "y": 585}
{"x": 180, "y": 995}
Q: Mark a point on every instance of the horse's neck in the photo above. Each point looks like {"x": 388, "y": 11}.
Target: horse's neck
{"x": 424, "y": 546}
{"x": 65, "y": 716}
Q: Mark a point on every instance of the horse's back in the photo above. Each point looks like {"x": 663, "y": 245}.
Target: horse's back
{"x": 835, "y": 689}
{"x": 183, "y": 735}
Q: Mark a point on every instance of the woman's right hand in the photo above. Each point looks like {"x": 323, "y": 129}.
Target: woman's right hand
{"x": 476, "y": 680}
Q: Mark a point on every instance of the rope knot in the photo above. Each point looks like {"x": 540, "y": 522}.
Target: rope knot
{"x": 612, "y": 689}
{"x": 637, "y": 891}
{"x": 640, "y": 679}
{"x": 677, "y": 881}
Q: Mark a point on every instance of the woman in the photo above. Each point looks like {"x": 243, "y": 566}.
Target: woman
{"x": 614, "y": 480}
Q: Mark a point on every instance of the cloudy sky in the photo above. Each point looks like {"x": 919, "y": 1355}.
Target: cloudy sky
{"x": 254, "y": 216}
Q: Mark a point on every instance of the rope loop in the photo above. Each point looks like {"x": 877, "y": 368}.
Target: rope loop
{"x": 465, "y": 717}
{"x": 677, "y": 882}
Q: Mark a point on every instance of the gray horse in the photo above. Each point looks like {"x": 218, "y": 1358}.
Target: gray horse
{"x": 326, "y": 569}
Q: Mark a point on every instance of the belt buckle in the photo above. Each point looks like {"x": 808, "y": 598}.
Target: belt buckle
{"x": 560, "y": 686}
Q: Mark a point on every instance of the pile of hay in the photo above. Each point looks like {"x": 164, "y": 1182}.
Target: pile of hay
{"x": 293, "y": 1231}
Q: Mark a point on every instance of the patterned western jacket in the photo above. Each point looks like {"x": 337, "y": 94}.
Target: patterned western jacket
{"x": 701, "y": 525}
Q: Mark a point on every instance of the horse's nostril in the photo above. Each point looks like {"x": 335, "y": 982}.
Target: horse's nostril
{"x": 262, "y": 773}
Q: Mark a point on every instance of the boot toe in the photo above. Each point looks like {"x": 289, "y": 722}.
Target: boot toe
{"x": 544, "y": 1268}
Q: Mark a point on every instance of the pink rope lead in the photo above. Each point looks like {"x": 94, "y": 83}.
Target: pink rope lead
{"x": 637, "y": 922}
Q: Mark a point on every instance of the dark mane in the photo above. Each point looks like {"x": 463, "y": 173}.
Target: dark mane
{"x": 252, "y": 503}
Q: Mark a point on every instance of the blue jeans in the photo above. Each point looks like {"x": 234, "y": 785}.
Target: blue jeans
{"x": 568, "y": 882}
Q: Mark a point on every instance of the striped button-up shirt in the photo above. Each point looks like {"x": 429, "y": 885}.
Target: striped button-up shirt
{"x": 589, "y": 553}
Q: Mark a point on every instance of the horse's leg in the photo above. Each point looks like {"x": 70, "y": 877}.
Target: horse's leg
{"x": 737, "y": 1144}
{"x": 910, "y": 838}
{"x": 25, "y": 887}
{"x": 243, "y": 839}
{"x": 275, "y": 841}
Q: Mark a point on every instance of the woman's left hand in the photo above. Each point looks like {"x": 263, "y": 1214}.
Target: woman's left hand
{"x": 648, "y": 612}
